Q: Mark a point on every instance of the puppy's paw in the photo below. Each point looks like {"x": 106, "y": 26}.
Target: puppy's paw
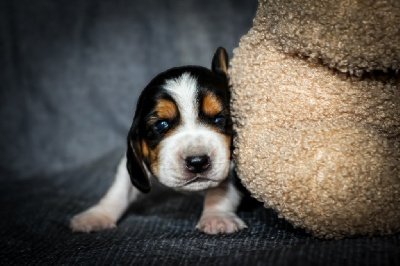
{"x": 93, "y": 219}
{"x": 220, "y": 223}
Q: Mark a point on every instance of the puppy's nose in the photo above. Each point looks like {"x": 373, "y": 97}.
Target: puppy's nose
{"x": 197, "y": 164}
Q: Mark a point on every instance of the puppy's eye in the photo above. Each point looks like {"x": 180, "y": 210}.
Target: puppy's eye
{"x": 220, "y": 121}
{"x": 161, "y": 126}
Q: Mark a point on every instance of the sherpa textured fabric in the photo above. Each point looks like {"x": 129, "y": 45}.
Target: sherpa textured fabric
{"x": 316, "y": 104}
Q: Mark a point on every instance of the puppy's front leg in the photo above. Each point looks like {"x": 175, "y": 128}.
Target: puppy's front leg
{"x": 111, "y": 207}
{"x": 219, "y": 215}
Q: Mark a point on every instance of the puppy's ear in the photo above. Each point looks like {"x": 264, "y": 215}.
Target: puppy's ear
{"x": 139, "y": 176}
{"x": 219, "y": 63}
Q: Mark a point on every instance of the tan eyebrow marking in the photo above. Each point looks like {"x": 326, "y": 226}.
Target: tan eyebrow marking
{"x": 211, "y": 105}
{"x": 166, "y": 109}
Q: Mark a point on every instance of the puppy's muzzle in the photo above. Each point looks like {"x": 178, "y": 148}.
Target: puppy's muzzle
{"x": 197, "y": 164}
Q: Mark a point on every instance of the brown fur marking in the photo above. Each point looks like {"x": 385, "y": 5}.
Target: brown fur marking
{"x": 166, "y": 109}
{"x": 152, "y": 156}
{"x": 145, "y": 149}
{"x": 222, "y": 61}
{"x": 211, "y": 105}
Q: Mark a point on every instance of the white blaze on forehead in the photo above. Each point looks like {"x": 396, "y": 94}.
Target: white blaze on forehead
{"x": 183, "y": 89}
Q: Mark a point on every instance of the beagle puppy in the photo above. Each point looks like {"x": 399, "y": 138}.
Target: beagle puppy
{"x": 181, "y": 134}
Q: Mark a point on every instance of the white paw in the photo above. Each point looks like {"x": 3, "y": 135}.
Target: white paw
{"x": 94, "y": 219}
{"x": 220, "y": 223}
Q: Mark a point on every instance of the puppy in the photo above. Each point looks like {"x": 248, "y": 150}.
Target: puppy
{"x": 181, "y": 134}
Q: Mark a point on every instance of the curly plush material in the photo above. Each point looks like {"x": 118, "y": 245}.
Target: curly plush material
{"x": 316, "y": 108}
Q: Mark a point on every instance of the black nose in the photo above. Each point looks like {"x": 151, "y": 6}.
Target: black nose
{"x": 197, "y": 164}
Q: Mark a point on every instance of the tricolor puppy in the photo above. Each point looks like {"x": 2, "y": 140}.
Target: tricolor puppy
{"x": 181, "y": 135}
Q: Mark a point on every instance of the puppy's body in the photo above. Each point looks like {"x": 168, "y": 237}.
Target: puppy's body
{"x": 181, "y": 135}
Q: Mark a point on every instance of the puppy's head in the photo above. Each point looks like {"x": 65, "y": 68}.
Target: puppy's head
{"x": 181, "y": 132}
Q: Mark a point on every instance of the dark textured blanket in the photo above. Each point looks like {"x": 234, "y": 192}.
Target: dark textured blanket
{"x": 70, "y": 74}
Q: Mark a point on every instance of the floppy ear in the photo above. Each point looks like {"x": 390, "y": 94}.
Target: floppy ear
{"x": 139, "y": 176}
{"x": 219, "y": 63}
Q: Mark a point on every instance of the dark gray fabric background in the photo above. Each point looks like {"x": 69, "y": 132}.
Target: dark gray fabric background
{"x": 71, "y": 70}
{"x": 70, "y": 74}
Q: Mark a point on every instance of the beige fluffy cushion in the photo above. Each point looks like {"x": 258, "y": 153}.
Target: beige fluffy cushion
{"x": 316, "y": 108}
